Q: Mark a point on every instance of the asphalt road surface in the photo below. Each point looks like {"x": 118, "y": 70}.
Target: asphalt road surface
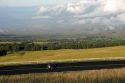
{"x": 60, "y": 67}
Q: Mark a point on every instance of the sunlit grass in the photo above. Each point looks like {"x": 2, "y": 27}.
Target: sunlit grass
{"x": 93, "y": 76}
{"x": 64, "y": 54}
{"x": 6, "y": 42}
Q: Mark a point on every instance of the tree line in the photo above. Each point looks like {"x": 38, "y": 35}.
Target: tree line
{"x": 56, "y": 44}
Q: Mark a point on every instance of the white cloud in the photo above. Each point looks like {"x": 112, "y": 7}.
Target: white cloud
{"x": 57, "y": 9}
{"x": 105, "y": 12}
{"x": 43, "y": 9}
{"x": 114, "y": 5}
{"x": 40, "y": 17}
{"x": 121, "y": 17}
{"x": 81, "y": 6}
{"x": 88, "y": 11}
{"x": 75, "y": 8}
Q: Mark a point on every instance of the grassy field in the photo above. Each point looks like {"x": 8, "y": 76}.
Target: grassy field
{"x": 118, "y": 51}
{"x": 9, "y": 42}
{"x": 6, "y": 42}
{"x": 94, "y": 76}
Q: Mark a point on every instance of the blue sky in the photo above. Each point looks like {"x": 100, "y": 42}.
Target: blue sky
{"x": 32, "y": 2}
{"x": 20, "y": 2}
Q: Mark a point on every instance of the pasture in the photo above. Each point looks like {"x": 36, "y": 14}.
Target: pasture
{"x": 64, "y": 54}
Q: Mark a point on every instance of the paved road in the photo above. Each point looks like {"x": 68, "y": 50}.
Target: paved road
{"x": 60, "y": 67}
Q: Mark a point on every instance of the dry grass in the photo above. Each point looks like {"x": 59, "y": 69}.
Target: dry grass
{"x": 6, "y": 42}
{"x": 94, "y": 76}
{"x": 118, "y": 51}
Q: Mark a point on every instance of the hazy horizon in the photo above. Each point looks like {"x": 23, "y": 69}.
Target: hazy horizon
{"x": 61, "y": 16}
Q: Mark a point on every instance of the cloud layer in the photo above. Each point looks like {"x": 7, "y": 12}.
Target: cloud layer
{"x": 68, "y": 17}
{"x": 87, "y": 11}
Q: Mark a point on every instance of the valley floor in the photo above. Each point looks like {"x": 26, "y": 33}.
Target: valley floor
{"x": 64, "y": 54}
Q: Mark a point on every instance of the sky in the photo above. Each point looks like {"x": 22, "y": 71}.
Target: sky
{"x": 53, "y": 13}
{"x": 33, "y": 2}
